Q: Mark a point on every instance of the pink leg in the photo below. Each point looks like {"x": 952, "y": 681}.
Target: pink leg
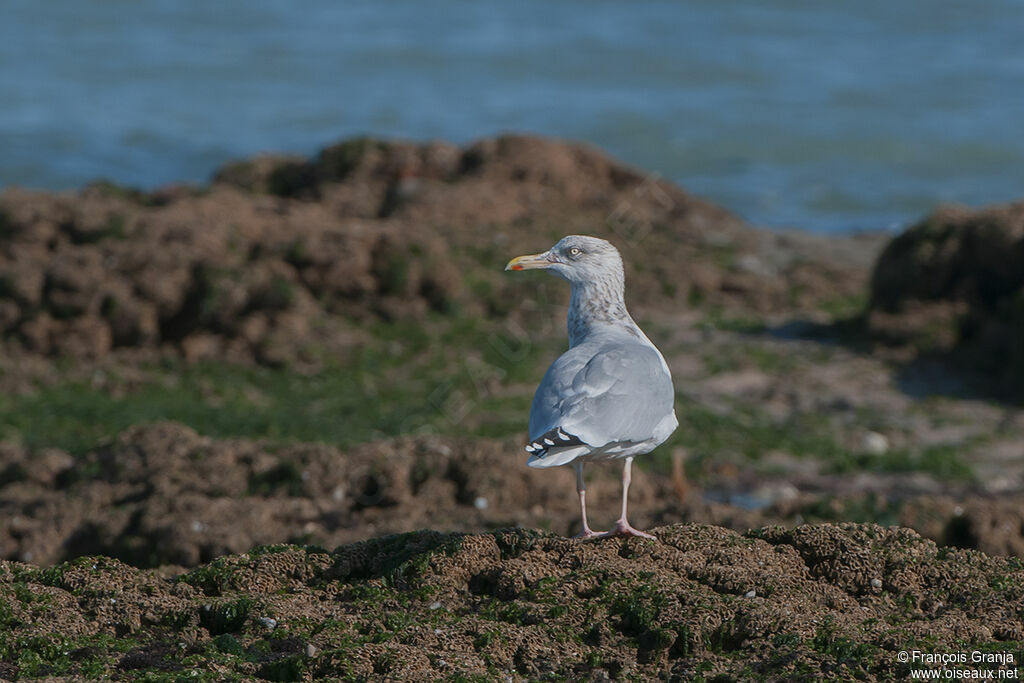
{"x": 622, "y": 527}
{"x": 582, "y": 490}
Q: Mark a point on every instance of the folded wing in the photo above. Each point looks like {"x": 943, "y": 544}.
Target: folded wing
{"x": 601, "y": 394}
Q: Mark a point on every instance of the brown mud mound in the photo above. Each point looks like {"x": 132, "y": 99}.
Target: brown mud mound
{"x": 827, "y": 602}
{"x": 954, "y": 282}
{"x": 163, "y": 495}
{"x": 280, "y": 259}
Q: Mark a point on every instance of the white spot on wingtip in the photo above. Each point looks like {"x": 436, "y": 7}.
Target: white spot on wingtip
{"x": 549, "y": 442}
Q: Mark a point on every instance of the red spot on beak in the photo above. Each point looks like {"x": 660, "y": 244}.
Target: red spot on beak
{"x": 517, "y": 267}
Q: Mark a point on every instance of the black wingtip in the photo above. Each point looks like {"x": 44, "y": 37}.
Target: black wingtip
{"x": 553, "y": 438}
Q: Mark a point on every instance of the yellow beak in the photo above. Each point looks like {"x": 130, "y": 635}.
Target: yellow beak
{"x": 529, "y": 262}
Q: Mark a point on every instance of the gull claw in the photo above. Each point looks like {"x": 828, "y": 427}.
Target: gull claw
{"x": 623, "y": 528}
{"x": 587, "y": 534}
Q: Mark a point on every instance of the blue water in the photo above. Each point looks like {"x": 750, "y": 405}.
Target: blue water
{"x": 830, "y": 116}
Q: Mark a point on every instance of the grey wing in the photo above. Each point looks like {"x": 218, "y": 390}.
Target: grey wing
{"x": 546, "y": 411}
{"x": 615, "y": 393}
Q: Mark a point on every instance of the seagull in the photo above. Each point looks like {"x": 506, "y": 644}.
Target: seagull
{"x": 610, "y": 396}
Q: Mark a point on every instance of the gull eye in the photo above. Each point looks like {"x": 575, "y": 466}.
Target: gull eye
{"x": 575, "y": 251}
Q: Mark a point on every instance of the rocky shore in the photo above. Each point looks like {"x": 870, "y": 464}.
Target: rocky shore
{"x": 829, "y": 602}
{"x": 324, "y": 353}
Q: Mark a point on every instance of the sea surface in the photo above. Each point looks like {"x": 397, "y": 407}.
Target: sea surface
{"x": 830, "y": 116}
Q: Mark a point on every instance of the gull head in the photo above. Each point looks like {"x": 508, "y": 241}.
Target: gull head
{"x": 579, "y": 259}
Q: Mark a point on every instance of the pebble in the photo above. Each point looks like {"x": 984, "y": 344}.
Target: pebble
{"x": 480, "y": 503}
{"x": 876, "y": 583}
{"x": 752, "y": 264}
{"x": 768, "y": 494}
{"x": 435, "y": 605}
{"x": 311, "y": 650}
{"x": 750, "y": 593}
{"x": 874, "y": 443}
{"x": 268, "y": 623}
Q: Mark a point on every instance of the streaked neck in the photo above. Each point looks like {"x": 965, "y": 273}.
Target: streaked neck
{"x": 598, "y": 304}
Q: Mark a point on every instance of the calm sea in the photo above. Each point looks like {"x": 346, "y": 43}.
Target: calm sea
{"x": 830, "y": 116}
